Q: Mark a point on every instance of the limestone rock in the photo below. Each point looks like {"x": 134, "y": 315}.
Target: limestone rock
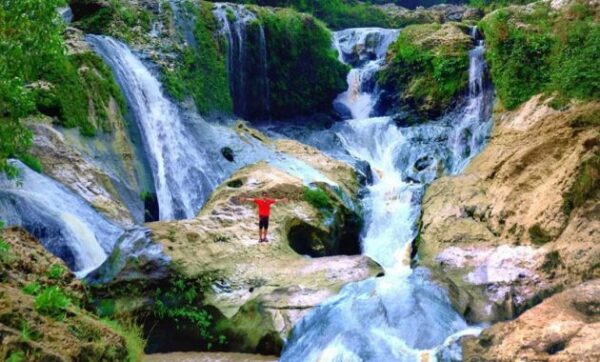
{"x": 565, "y": 327}
{"x": 479, "y": 228}
{"x": 66, "y": 165}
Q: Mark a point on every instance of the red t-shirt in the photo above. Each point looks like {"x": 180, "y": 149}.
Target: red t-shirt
{"x": 264, "y": 206}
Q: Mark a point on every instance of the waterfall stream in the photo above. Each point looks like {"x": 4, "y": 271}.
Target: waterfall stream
{"x": 64, "y": 223}
{"x": 246, "y": 59}
{"x": 402, "y": 316}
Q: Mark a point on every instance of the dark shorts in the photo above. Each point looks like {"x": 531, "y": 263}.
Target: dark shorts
{"x": 263, "y": 222}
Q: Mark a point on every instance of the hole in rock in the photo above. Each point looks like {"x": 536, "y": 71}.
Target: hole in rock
{"x": 237, "y": 183}
{"x": 556, "y": 347}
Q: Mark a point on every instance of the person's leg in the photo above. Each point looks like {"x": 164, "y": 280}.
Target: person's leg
{"x": 266, "y": 224}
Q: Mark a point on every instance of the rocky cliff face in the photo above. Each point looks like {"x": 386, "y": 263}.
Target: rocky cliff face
{"x": 507, "y": 232}
{"x": 566, "y": 327}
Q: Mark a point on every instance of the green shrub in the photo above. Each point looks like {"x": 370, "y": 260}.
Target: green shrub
{"x": 585, "y": 186}
{"x": 56, "y": 272}
{"x": 32, "y": 288}
{"x": 318, "y": 198}
{"x": 543, "y": 51}
{"x": 32, "y": 162}
{"x": 134, "y": 337}
{"x": 51, "y": 301}
{"x": 538, "y": 236}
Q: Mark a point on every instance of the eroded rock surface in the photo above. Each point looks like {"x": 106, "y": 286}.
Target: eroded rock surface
{"x": 500, "y": 235}
{"x": 565, "y": 327}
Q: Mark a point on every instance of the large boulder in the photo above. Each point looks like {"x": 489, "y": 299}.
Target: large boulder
{"x": 522, "y": 221}
{"x": 565, "y": 327}
{"x": 255, "y": 292}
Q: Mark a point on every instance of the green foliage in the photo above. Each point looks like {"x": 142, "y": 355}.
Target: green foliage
{"x": 118, "y": 18}
{"x": 201, "y": 72}
{"x": 337, "y": 14}
{"x": 538, "y": 236}
{"x": 181, "y": 302}
{"x": 106, "y": 308}
{"x": 32, "y": 288}
{"x": 5, "y": 256}
{"x": 16, "y": 356}
{"x": 134, "y": 337}
{"x": 429, "y": 76}
{"x": 51, "y": 301}
{"x": 56, "y": 272}
{"x": 543, "y": 51}
{"x": 585, "y": 186}
{"x": 30, "y": 43}
{"x": 318, "y": 198}
{"x": 32, "y": 162}
{"x": 304, "y": 72}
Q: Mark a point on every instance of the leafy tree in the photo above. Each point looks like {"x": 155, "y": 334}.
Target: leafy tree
{"x": 30, "y": 42}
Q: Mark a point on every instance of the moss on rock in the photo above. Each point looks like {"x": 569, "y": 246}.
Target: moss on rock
{"x": 426, "y": 68}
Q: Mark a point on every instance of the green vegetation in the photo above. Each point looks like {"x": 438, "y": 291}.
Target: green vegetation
{"x": 51, "y": 301}
{"x": 427, "y": 67}
{"x": 37, "y": 76}
{"x": 337, "y": 14}
{"x": 586, "y": 185}
{"x": 118, "y": 18}
{"x": 543, "y": 51}
{"x": 304, "y": 72}
{"x": 318, "y": 198}
{"x": 538, "y": 236}
{"x": 56, "y": 272}
{"x": 16, "y": 356}
{"x": 31, "y": 42}
{"x": 32, "y": 288}
{"x": 133, "y": 335}
{"x": 181, "y": 302}
{"x": 201, "y": 71}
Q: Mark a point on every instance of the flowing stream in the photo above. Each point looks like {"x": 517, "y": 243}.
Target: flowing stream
{"x": 402, "y": 316}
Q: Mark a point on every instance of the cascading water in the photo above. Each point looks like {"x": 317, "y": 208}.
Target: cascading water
{"x": 402, "y": 316}
{"x": 364, "y": 49}
{"x": 64, "y": 223}
{"x": 182, "y": 175}
{"x": 247, "y": 65}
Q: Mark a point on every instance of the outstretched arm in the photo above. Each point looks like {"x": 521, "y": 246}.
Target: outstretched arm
{"x": 246, "y": 199}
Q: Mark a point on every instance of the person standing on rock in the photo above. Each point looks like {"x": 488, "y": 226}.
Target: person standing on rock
{"x": 264, "y": 211}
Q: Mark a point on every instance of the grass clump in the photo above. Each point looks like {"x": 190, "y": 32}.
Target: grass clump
{"x": 538, "y": 235}
{"x": 32, "y": 288}
{"x": 52, "y": 302}
{"x": 133, "y": 335}
{"x": 543, "y": 51}
{"x": 585, "y": 186}
{"x": 426, "y": 74}
{"x": 56, "y": 272}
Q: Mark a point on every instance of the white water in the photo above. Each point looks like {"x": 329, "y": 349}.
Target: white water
{"x": 64, "y": 223}
{"x": 402, "y": 316}
{"x": 184, "y": 149}
{"x": 183, "y": 178}
{"x": 364, "y": 49}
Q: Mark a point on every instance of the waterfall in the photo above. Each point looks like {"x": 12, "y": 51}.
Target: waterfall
{"x": 246, "y": 62}
{"x": 183, "y": 175}
{"x": 63, "y": 222}
{"x": 364, "y": 49}
{"x": 402, "y": 316}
